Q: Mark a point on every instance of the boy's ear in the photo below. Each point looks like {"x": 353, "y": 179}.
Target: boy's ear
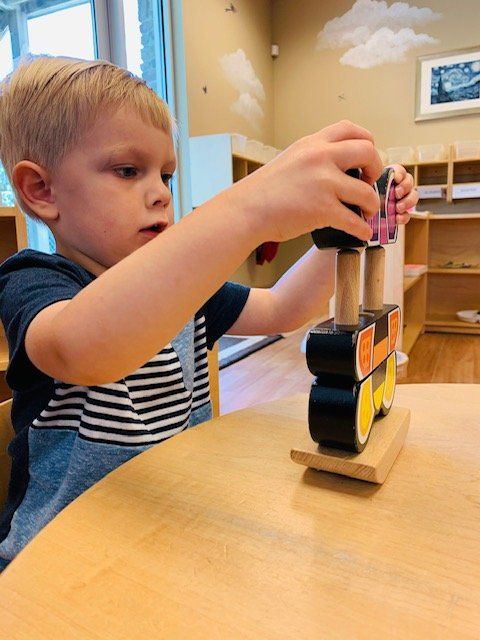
{"x": 33, "y": 184}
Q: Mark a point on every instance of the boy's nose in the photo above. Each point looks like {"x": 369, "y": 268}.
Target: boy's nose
{"x": 159, "y": 195}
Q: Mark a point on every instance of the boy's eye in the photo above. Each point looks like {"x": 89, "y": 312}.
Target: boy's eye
{"x": 167, "y": 177}
{"x": 126, "y": 172}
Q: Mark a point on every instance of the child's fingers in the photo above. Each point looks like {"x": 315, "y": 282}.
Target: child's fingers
{"x": 360, "y": 154}
{"x": 345, "y": 220}
{"x": 403, "y": 218}
{"x": 344, "y": 130}
{"x": 399, "y": 172}
{"x": 404, "y": 186}
{"x": 356, "y": 192}
{"x": 408, "y": 202}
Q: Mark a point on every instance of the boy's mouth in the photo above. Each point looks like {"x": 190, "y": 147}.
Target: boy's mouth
{"x": 154, "y": 229}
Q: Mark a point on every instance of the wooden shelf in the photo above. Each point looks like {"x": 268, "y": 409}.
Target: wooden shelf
{"x": 453, "y": 216}
{"x": 13, "y": 237}
{"x": 409, "y": 281}
{"x": 449, "y": 323}
{"x": 248, "y": 159}
{"x": 456, "y": 160}
{"x": 420, "y": 215}
{"x": 432, "y": 186}
{"x": 427, "y": 163}
{"x": 410, "y": 334}
{"x": 450, "y": 235}
{"x": 8, "y": 212}
{"x": 463, "y": 272}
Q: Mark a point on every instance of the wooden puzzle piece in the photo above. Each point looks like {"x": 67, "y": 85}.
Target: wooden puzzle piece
{"x": 341, "y": 410}
{"x": 383, "y": 223}
{"x": 353, "y": 354}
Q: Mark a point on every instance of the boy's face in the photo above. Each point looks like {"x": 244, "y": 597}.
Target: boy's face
{"x": 111, "y": 189}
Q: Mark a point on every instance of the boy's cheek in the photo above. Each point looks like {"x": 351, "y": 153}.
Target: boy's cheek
{"x": 170, "y": 214}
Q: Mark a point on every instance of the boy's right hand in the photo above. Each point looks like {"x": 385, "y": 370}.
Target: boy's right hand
{"x": 305, "y": 187}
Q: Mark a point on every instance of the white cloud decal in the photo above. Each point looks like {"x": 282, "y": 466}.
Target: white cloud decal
{"x": 249, "y": 108}
{"x": 241, "y": 75}
{"x": 376, "y": 33}
{"x": 385, "y": 46}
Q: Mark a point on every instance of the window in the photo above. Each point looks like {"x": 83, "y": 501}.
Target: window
{"x": 64, "y": 28}
{"x": 6, "y": 59}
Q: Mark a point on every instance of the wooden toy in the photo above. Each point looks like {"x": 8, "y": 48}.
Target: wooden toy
{"x": 352, "y": 355}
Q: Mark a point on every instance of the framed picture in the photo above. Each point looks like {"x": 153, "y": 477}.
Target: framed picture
{"x": 448, "y": 84}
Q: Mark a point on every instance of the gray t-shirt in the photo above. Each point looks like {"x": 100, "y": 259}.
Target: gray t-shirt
{"x": 68, "y": 436}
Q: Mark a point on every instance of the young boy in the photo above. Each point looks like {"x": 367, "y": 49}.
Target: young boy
{"x": 108, "y": 337}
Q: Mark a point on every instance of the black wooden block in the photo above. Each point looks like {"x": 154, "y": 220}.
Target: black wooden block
{"x": 343, "y": 351}
{"x": 341, "y": 410}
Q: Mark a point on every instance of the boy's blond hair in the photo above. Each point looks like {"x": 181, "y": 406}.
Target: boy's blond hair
{"x": 47, "y": 104}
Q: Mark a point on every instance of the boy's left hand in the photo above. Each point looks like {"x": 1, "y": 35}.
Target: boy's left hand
{"x": 407, "y": 196}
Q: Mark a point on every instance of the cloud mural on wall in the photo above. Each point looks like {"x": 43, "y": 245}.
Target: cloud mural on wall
{"x": 377, "y": 33}
{"x": 240, "y": 73}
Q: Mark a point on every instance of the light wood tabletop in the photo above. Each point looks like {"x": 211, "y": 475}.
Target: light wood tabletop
{"x": 216, "y": 533}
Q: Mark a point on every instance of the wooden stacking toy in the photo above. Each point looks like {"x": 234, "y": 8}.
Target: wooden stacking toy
{"x": 352, "y": 355}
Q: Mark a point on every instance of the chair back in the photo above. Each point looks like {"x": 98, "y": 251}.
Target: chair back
{"x": 213, "y": 376}
{"x": 6, "y": 435}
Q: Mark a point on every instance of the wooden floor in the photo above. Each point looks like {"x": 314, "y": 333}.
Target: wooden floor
{"x": 280, "y": 369}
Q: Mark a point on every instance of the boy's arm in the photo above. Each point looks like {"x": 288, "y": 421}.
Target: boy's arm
{"x": 299, "y": 296}
{"x": 130, "y": 312}
{"x": 304, "y": 290}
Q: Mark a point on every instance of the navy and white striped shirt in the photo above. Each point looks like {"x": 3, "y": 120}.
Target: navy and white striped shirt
{"x": 70, "y": 436}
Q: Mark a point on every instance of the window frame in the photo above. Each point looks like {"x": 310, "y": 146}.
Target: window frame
{"x": 171, "y": 76}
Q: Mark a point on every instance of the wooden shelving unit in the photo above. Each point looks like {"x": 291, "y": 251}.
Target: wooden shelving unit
{"x": 415, "y": 288}
{"x": 410, "y": 281}
{"x": 448, "y": 233}
{"x": 13, "y": 237}
{"x": 453, "y": 239}
{"x": 243, "y": 166}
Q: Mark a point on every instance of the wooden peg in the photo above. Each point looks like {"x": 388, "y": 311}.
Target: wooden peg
{"x": 347, "y": 284}
{"x": 374, "y": 278}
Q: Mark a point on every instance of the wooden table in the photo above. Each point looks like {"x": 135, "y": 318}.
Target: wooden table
{"x": 217, "y": 534}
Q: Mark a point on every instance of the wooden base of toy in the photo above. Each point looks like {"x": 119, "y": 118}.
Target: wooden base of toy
{"x": 373, "y": 463}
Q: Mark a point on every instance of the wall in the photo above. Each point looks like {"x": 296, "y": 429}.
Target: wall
{"x": 303, "y": 85}
{"x": 210, "y": 32}
{"x": 308, "y": 83}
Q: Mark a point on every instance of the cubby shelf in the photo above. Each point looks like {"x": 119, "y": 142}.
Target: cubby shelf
{"x": 13, "y": 237}
{"x": 410, "y": 281}
{"x": 446, "y": 174}
{"x": 452, "y": 216}
{"x": 456, "y": 272}
{"x": 449, "y": 323}
{"x": 410, "y": 334}
{"x": 432, "y": 300}
{"x": 449, "y": 233}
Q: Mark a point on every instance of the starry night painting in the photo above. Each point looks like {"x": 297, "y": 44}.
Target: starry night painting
{"x": 455, "y": 82}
